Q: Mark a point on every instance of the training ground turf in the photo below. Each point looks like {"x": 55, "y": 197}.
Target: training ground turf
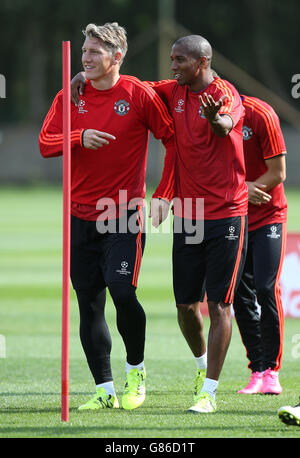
{"x": 30, "y": 326}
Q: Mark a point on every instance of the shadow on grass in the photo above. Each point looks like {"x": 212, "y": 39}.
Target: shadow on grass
{"x": 66, "y": 429}
{"x": 149, "y": 410}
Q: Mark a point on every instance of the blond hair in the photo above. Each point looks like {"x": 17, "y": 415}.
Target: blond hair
{"x": 111, "y": 34}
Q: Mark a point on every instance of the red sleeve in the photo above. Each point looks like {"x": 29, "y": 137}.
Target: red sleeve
{"x": 232, "y": 105}
{"x": 160, "y": 123}
{"x": 269, "y": 131}
{"x": 51, "y": 137}
{"x": 164, "y": 89}
{"x": 165, "y": 188}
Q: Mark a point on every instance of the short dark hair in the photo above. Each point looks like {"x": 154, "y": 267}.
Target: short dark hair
{"x": 195, "y": 45}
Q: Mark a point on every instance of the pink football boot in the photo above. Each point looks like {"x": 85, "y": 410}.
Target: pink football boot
{"x": 270, "y": 384}
{"x": 255, "y": 384}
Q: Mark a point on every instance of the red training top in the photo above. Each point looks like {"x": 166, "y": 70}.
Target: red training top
{"x": 263, "y": 140}
{"x": 128, "y": 111}
{"x": 206, "y": 166}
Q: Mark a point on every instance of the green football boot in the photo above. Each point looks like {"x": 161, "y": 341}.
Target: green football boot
{"x": 200, "y": 376}
{"x": 204, "y": 404}
{"x": 101, "y": 400}
{"x": 135, "y": 389}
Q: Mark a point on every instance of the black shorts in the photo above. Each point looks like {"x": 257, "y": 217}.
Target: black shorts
{"x": 98, "y": 259}
{"x": 214, "y": 265}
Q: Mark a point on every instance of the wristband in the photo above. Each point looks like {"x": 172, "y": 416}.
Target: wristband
{"x": 81, "y": 139}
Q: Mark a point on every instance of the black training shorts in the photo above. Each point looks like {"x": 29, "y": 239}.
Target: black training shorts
{"x": 213, "y": 265}
{"x": 98, "y": 259}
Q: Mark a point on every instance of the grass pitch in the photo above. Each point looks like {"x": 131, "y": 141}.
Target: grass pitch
{"x": 30, "y": 326}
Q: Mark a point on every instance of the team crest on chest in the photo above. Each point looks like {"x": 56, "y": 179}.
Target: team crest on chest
{"x": 82, "y": 107}
{"x": 179, "y": 108}
{"x": 247, "y": 133}
{"x": 121, "y": 107}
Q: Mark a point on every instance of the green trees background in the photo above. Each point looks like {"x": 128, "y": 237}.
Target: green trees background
{"x": 260, "y": 36}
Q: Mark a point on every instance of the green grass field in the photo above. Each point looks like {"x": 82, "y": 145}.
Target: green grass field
{"x": 30, "y": 326}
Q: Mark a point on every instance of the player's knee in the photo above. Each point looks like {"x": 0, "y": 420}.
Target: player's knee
{"x": 188, "y": 308}
{"x": 90, "y": 301}
{"x": 264, "y": 292}
{"x": 219, "y": 310}
{"x": 85, "y": 297}
{"x": 122, "y": 293}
